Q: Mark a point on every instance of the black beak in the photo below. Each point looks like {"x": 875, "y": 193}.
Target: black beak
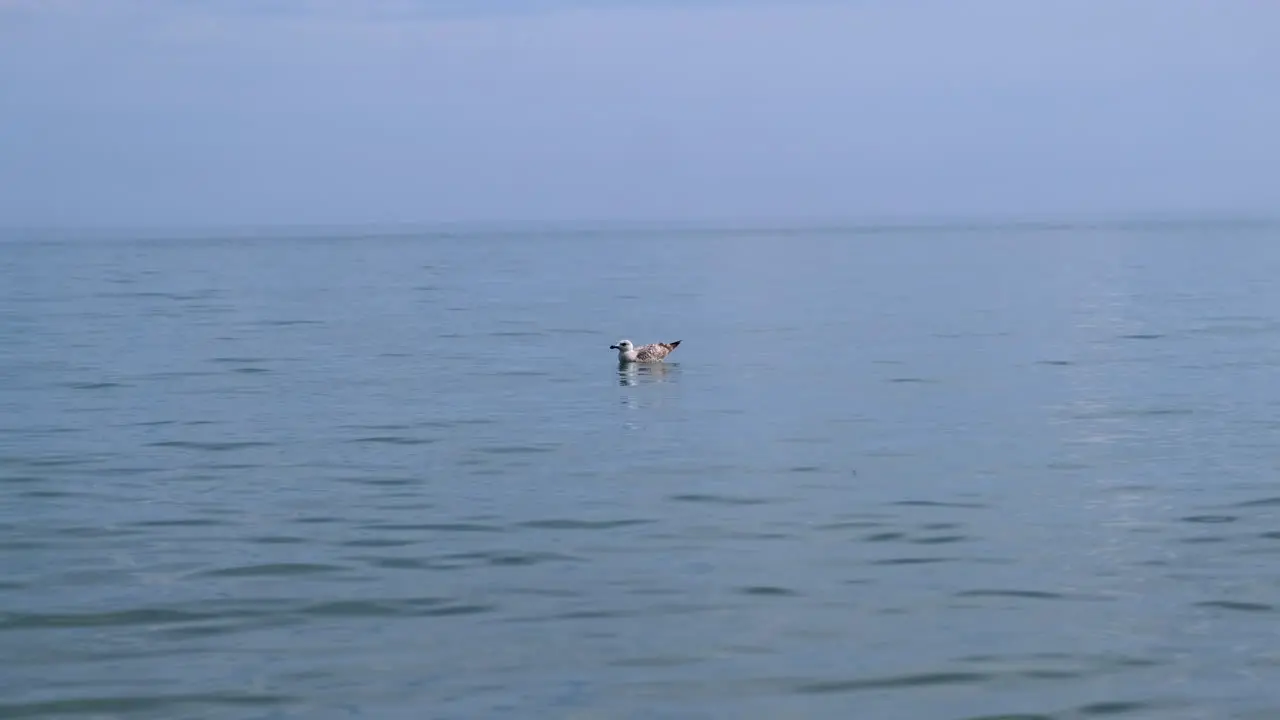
{"x": 614, "y": 347}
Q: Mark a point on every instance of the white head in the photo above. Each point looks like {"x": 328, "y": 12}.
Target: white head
{"x": 622, "y": 346}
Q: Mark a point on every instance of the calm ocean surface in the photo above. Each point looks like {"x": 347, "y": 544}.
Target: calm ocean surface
{"x": 954, "y": 473}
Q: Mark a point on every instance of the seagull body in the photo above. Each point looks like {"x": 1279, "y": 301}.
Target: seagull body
{"x": 651, "y": 353}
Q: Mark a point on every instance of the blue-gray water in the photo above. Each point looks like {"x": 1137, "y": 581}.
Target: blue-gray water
{"x": 912, "y": 474}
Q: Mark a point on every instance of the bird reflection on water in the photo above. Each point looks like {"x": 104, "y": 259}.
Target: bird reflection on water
{"x": 632, "y": 374}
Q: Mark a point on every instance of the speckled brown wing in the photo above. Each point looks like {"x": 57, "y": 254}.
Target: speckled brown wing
{"x": 655, "y": 351}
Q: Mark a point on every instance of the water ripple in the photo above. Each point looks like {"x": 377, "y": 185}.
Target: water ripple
{"x": 394, "y": 440}
{"x": 575, "y": 524}
{"x": 273, "y": 570}
{"x": 210, "y": 446}
{"x": 718, "y": 499}
{"x": 767, "y": 591}
{"x": 98, "y": 706}
{"x": 460, "y": 527}
{"x": 1237, "y": 605}
{"x": 895, "y": 682}
{"x": 140, "y": 616}
{"x": 939, "y": 504}
{"x": 1021, "y": 594}
{"x": 416, "y": 607}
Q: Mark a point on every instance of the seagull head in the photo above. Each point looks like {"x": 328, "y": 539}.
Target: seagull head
{"x": 622, "y": 346}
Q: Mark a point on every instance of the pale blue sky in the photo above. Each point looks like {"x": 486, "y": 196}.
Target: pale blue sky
{"x": 331, "y": 111}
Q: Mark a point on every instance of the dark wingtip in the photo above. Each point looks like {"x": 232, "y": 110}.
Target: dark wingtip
{"x": 675, "y": 344}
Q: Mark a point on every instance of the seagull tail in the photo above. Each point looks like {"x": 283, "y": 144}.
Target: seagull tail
{"x": 673, "y": 345}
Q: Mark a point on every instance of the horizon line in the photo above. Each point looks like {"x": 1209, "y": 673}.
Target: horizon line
{"x": 986, "y": 221}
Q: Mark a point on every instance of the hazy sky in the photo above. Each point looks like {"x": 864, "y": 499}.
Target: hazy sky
{"x": 335, "y": 111}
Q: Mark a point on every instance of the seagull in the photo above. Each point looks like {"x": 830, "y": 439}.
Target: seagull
{"x": 654, "y": 352}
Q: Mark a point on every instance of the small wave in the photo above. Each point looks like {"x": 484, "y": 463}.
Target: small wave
{"x": 1262, "y": 502}
{"x": 379, "y": 543}
{"x": 112, "y": 706}
{"x": 1021, "y": 594}
{"x": 435, "y": 527}
{"x": 422, "y": 607}
{"x": 570, "y": 524}
{"x": 516, "y": 449}
{"x": 273, "y": 570}
{"x": 211, "y": 446}
{"x": 768, "y": 591}
{"x": 912, "y": 561}
{"x": 141, "y": 616}
{"x": 102, "y": 385}
{"x": 718, "y": 499}
{"x": 1237, "y": 605}
{"x": 939, "y": 539}
{"x": 394, "y": 440}
{"x": 1210, "y": 519}
{"x": 897, "y": 681}
{"x": 179, "y": 522}
{"x": 939, "y": 504}
{"x": 277, "y": 540}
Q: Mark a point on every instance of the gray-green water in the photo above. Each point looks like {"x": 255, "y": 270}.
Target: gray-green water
{"x": 917, "y": 474}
